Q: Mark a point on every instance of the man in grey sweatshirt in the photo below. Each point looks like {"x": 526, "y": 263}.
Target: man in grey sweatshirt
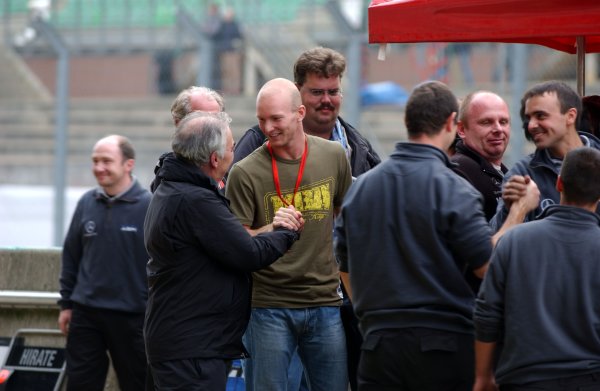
{"x": 541, "y": 294}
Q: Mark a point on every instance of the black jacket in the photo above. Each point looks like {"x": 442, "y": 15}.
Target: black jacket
{"x": 481, "y": 174}
{"x": 199, "y": 270}
{"x": 362, "y": 160}
{"x": 103, "y": 257}
{"x": 430, "y": 226}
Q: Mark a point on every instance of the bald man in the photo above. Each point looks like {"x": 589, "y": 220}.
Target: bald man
{"x": 103, "y": 284}
{"x": 295, "y": 302}
{"x": 484, "y": 131}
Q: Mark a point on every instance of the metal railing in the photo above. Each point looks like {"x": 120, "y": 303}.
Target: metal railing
{"x": 28, "y": 299}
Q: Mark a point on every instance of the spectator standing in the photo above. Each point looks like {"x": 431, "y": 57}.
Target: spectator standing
{"x": 541, "y": 295}
{"x": 318, "y": 76}
{"x": 426, "y": 224}
{"x": 295, "y": 301}
{"x": 228, "y": 41}
{"x": 103, "y": 279}
{"x": 590, "y": 118}
{"x": 191, "y": 99}
{"x": 210, "y": 26}
{"x": 484, "y": 130}
{"x": 200, "y": 260}
{"x": 550, "y": 112}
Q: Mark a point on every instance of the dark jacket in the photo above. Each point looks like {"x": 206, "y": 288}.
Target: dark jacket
{"x": 430, "y": 226}
{"x": 363, "y": 156}
{"x": 542, "y": 293}
{"x": 156, "y": 180}
{"x": 228, "y": 36}
{"x": 481, "y": 174}
{"x": 540, "y": 167}
{"x": 103, "y": 258}
{"x": 199, "y": 270}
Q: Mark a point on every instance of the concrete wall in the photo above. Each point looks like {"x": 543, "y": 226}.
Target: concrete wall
{"x": 114, "y": 75}
{"x": 32, "y": 270}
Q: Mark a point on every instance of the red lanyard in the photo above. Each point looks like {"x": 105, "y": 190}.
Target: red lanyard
{"x": 276, "y": 172}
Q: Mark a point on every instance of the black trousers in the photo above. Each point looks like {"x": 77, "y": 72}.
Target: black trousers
{"x": 353, "y": 341}
{"x": 196, "y": 374}
{"x": 589, "y": 382}
{"x": 93, "y": 332}
{"x": 416, "y": 359}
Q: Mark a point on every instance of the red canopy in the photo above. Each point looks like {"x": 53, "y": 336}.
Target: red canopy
{"x": 552, "y": 23}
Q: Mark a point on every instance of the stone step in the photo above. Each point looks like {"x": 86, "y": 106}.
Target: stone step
{"x": 27, "y": 134}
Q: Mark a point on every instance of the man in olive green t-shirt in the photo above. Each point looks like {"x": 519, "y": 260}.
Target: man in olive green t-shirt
{"x": 296, "y": 300}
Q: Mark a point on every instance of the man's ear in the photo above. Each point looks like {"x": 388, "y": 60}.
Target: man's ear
{"x": 571, "y": 116}
{"x": 214, "y": 160}
{"x": 129, "y": 164}
{"x": 559, "y": 184}
{"x": 301, "y": 112}
{"x": 460, "y": 129}
{"x": 451, "y": 122}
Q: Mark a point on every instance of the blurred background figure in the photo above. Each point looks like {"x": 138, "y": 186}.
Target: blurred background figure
{"x": 590, "y": 116}
{"x": 228, "y": 42}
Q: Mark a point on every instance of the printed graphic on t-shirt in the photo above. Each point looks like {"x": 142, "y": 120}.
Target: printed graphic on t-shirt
{"x": 314, "y": 200}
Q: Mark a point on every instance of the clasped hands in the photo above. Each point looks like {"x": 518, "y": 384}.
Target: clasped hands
{"x": 288, "y": 217}
{"x": 523, "y": 190}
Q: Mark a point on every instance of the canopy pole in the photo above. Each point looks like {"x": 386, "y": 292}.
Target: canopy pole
{"x": 581, "y": 66}
{"x": 382, "y": 51}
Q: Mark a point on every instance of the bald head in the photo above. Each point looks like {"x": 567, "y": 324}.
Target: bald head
{"x": 121, "y": 142}
{"x": 479, "y": 98}
{"x": 112, "y": 163}
{"x": 484, "y": 125}
{"x": 280, "y": 112}
{"x": 282, "y": 89}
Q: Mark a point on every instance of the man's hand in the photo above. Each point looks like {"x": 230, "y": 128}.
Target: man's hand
{"x": 289, "y": 218}
{"x": 531, "y": 198}
{"x": 64, "y": 320}
{"x": 484, "y": 366}
{"x": 485, "y": 384}
{"x": 514, "y": 189}
{"x": 527, "y": 201}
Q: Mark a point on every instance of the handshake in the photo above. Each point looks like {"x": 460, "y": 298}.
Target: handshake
{"x": 289, "y": 218}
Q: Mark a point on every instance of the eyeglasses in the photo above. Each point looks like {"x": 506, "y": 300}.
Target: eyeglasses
{"x": 318, "y": 93}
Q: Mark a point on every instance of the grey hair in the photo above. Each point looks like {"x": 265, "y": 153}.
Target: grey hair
{"x": 199, "y": 134}
{"x": 181, "y": 105}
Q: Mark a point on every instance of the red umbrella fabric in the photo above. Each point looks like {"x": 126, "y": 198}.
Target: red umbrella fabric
{"x": 552, "y": 23}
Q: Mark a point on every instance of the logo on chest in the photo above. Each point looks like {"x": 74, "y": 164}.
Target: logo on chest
{"x": 89, "y": 228}
{"x": 314, "y": 201}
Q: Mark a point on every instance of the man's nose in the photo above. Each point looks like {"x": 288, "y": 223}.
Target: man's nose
{"x": 532, "y": 124}
{"x": 326, "y": 97}
{"x": 498, "y": 126}
{"x": 268, "y": 126}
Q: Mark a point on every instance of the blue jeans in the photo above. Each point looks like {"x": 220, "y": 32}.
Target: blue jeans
{"x": 296, "y": 378}
{"x": 317, "y": 333}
